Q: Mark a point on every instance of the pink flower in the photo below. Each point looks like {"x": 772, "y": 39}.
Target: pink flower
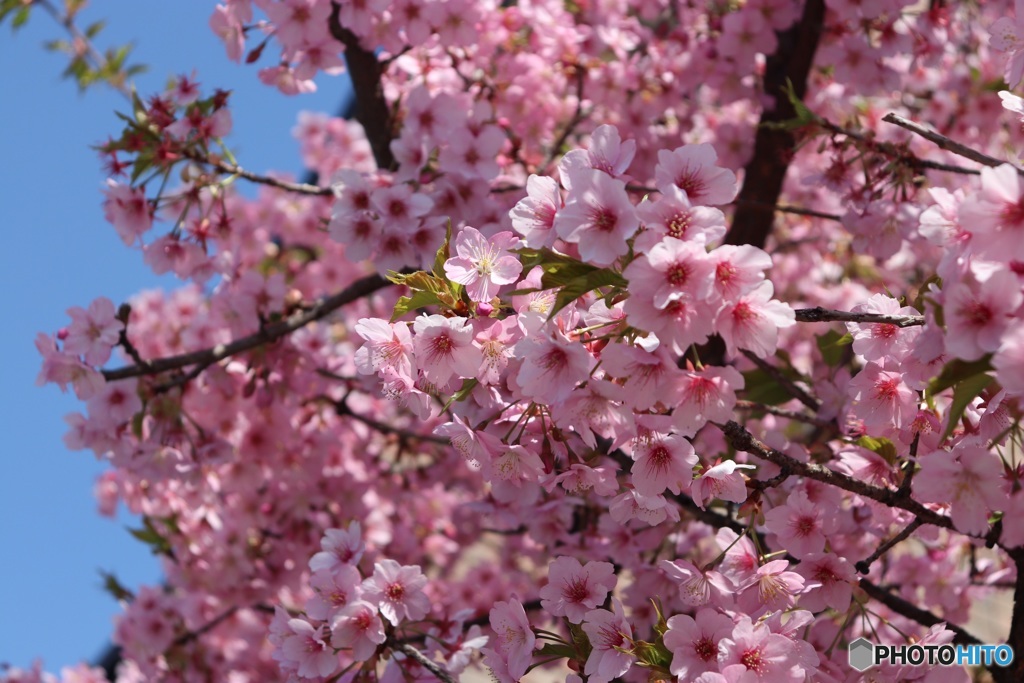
{"x": 444, "y": 347}
{"x": 968, "y": 479}
{"x": 477, "y": 447}
{"x": 340, "y": 547}
{"x": 996, "y": 215}
{"x": 399, "y": 207}
{"x": 694, "y": 642}
{"x": 388, "y": 347}
{"x": 306, "y": 648}
{"x": 670, "y": 271}
{"x": 692, "y": 169}
{"x": 799, "y": 525}
{"x": 483, "y": 264}
{"x": 738, "y": 270}
{"x": 607, "y": 153}
{"x": 496, "y": 342}
{"x": 572, "y": 589}
{"x": 835, "y": 578}
{"x": 874, "y": 341}
{"x": 678, "y": 325}
{"x": 708, "y": 395}
{"x": 1005, "y": 36}
{"x": 697, "y": 587}
{"x": 752, "y": 653}
{"x": 359, "y": 628}
{"x": 333, "y": 590}
{"x": 882, "y": 400}
{"x": 513, "y": 638}
{"x": 598, "y": 217}
{"x": 229, "y": 29}
{"x": 609, "y": 635}
{"x": 128, "y": 210}
{"x": 977, "y": 314}
{"x": 652, "y": 510}
{"x": 721, "y": 481}
{"x": 398, "y": 590}
{"x": 753, "y": 322}
{"x": 1009, "y": 360}
{"x": 534, "y": 216}
{"x": 648, "y": 374}
{"x": 552, "y": 366}
{"x": 674, "y": 215}
{"x": 596, "y": 410}
{"x": 93, "y": 333}
{"x": 663, "y": 461}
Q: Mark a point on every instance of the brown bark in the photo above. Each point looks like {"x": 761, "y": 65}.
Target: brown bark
{"x": 773, "y": 148}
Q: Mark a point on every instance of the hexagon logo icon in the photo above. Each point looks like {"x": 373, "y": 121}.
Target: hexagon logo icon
{"x": 862, "y": 654}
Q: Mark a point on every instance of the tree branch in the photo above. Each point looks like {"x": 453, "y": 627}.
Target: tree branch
{"x": 266, "y": 335}
{"x": 232, "y": 169}
{"x": 824, "y": 315}
{"x": 427, "y": 663}
{"x": 742, "y": 440}
{"x": 889, "y": 149}
{"x": 774, "y": 146}
{"x": 786, "y": 383}
{"x": 1016, "y": 636}
{"x": 945, "y": 143}
{"x": 915, "y": 613}
{"x": 371, "y": 108}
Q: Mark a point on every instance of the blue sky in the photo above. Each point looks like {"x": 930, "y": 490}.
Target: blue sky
{"x": 60, "y": 252}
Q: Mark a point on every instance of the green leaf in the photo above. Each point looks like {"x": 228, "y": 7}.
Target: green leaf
{"x": 418, "y": 300}
{"x": 831, "y": 344}
{"x": 149, "y": 535}
{"x": 20, "y": 17}
{"x": 762, "y": 388}
{"x": 578, "y": 286}
{"x": 115, "y": 588}
{"x": 963, "y": 393}
{"x": 958, "y": 370}
{"x": 444, "y": 253}
{"x": 140, "y": 166}
{"x": 57, "y": 45}
{"x": 880, "y": 445}
{"x": 93, "y": 29}
{"x": 558, "y": 650}
{"x": 463, "y": 393}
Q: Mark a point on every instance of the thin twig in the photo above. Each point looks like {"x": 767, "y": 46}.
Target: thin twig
{"x": 232, "y": 169}
{"x": 342, "y": 409}
{"x": 891, "y": 150}
{"x": 742, "y": 440}
{"x": 576, "y": 119}
{"x": 99, "y": 61}
{"x": 912, "y": 611}
{"x": 825, "y": 315}
{"x": 427, "y": 663}
{"x": 270, "y": 333}
{"x": 782, "y": 412}
{"x": 205, "y": 628}
{"x": 785, "y": 208}
{"x": 864, "y": 566}
{"x": 945, "y": 143}
{"x": 785, "y": 382}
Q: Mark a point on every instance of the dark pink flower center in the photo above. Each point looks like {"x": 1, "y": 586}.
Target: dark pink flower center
{"x": 705, "y": 649}
{"x": 576, "y": 590}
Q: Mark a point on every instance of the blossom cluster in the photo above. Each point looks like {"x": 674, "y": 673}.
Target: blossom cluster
{"x": 501, "y": 387}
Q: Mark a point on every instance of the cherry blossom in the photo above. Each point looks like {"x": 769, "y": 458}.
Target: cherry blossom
{"x": 398, "y": 591}
{"x": 573, "y": 588}
{"x": 482, "y": 264}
